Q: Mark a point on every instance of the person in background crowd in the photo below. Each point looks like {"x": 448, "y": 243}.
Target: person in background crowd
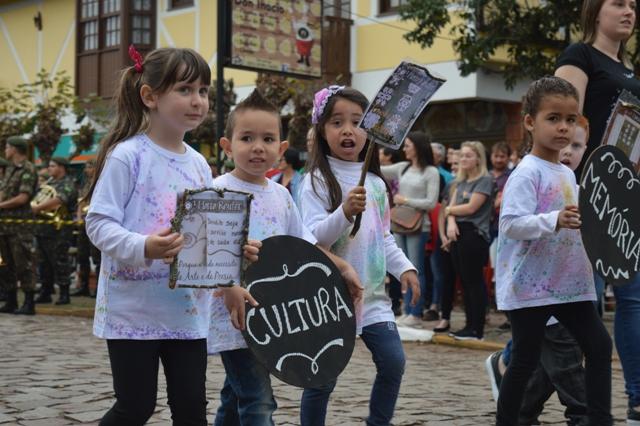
{"x": 387, "y": 157}
{"x": 213, "y": 165}
{"x": 517, "y": 154}
{"x": 455, "y": 161}
{"x": 468, "y": 217}
{"x": 438, "y": 161}
{"x": 3, "y": 266}
{"x": 54, "y": 241}
{"x": 599, "y": 67}
{"x": 418, "y": 188}
{"x": 86, "y": 250}
{"x": 288, "y": 174}
{"x": 18, "y": 188}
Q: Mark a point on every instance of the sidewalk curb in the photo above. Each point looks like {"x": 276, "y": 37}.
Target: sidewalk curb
{"x": 68, "y": 312}
{"x": 440, "y": 339}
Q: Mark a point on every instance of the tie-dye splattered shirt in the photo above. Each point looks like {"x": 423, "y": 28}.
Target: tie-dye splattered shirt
{"x": 136, "y": 197}
{"x": 537, "y": 265}
{"x": 273, "y": 212}
{"x": 373, "y": 251}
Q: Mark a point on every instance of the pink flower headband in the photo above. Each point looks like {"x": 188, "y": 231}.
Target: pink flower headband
{"x": 320, "y": 100}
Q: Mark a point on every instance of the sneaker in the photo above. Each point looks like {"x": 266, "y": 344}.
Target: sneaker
{"x": 633, "y": 417}
{"x": 412, "y": 321}
{"x": 466, "y": 335}
{"x": 401, "y": 318}
{"x": 493, "y": 370}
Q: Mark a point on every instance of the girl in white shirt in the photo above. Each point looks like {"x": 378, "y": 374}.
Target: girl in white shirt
{"x": 142, "y": 168}
{"x": 330, "y": 199}
{"x": 542, "y": 268}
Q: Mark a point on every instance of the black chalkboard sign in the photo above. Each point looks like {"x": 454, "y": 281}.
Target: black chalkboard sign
{"x": 304, "y": 329}
{"x": 610, "y": 209}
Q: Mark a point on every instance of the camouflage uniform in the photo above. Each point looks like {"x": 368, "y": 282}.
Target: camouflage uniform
{"x": 54, "y": 241}
{"x": 86, "y": 250}
{"x": 3, "y": 266}
{"x": 16, "y": 240}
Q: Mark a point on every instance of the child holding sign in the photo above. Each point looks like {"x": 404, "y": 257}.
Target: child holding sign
{"x": 329, "y": 200}
{"x": 542, "y": 268}
{"x": 142, "y": 168}
{"x": 252, "y": 140}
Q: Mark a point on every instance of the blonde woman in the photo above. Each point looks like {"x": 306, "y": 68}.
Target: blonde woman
{"x": 468, "y": 216}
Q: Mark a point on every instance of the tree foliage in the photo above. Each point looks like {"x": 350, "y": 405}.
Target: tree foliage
{"x": 532, "y": 33}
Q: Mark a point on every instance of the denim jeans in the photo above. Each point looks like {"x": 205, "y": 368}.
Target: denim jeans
{"x": 413, "y": 247}
{"x": 435, "y": 260}
{"x": 528, "y": 326}
{"x": 383, "y": 340}
{"x": 599, "y": 283}
{"x": 246, "y": 398}
{"x": 627, "y": 336}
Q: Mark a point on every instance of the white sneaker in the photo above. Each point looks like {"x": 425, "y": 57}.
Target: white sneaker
{"x": 401, "y": 318}
{"x": 412, "y": 321}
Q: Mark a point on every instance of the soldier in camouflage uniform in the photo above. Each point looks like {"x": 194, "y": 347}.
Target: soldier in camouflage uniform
{"x": 54, "y": 240}
{"x": 86, "y": 249}
{"x": 17, "y": 189}
{"x": 3, "y": 266}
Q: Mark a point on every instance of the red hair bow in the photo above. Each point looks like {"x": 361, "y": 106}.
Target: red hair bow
{"x": 136, "y": 57}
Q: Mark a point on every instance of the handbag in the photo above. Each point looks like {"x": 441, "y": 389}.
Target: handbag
{"x": 406, "y": 220}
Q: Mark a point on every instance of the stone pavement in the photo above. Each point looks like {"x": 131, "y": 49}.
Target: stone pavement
{"x": 54, "y": 372}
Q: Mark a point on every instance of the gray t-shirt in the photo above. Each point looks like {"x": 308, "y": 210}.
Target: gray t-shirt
{"x": 482, "y": 217}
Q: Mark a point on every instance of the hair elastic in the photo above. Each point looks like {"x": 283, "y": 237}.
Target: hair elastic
{"x": 320, "y": 100}
{"x": 136, "y": 57}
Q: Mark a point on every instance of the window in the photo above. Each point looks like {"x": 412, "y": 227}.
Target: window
{"x": 390, "y": 6}
{"x": 89, "y": 18}
{"x": 141, "y": 20}
{"x": 111, "y": 20}
{"x": 178, "y": 4}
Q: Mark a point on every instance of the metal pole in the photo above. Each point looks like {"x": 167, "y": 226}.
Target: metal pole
{"x": 220, "y": 79}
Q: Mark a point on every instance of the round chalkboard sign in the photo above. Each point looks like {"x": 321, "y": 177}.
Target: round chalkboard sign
{"x": 304, "y": 329}
{"x": 610, "y": 211}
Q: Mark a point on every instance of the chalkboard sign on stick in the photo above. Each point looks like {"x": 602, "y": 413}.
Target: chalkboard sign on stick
{"x": 610, "y": 210}
{"x": 303, "y": 331}
{"x": 623, "y": 128}
{"x": 214, "y": 224}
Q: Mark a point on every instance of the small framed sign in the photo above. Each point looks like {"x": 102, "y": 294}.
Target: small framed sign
{"x": 214, "y": 224}
{"x": 610, "y": 211}
{"x": 398, "y": 104}
{"x": 623, "y": 129}
{"x": 304, "y": 329}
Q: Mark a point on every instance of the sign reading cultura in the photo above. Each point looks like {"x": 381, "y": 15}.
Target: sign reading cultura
{"x": 277, "y": 35}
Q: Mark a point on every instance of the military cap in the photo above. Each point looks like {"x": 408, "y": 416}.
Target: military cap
{"x": 18, "y": 141}
{"x": 61, "y": 161}
{"x": 4, "y": 163}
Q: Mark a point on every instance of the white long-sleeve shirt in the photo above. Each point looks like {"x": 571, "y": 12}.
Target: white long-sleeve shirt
{"x": 373, "y": 251}
{"x": 536, "y": 264}
{"x": 136, "y": 196}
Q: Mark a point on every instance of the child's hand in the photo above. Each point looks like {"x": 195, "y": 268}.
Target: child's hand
{"x": 355, "y": 202}
{"x": 251, "y": 250}
{"x": 409, "y": 279}
{"x": 569, "y": 217}
{"x": 452, "y": 230}
{"x": 234, "y": 300}
{"x": 163, "y": 245}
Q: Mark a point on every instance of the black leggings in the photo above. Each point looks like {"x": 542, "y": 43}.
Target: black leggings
{"x": 134, "y": 366}
{"x": 470, "y": 254}
{"x": 528, "y": 327}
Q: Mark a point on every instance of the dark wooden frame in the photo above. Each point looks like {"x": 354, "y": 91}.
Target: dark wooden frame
{"x": 385, "y": 8}
{"x": 180, "y": 4}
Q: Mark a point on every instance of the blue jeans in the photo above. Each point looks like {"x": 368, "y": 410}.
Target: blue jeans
{"x": 413, "y": 246}
{"x": 383, "y": 340}
{"x": 435, "y": 260}
{"x": 246, "y": 397}
{"x": 627, "y": 336}
{"x": 599, "y": 283}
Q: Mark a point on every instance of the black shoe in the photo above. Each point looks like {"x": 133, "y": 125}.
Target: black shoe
{"x": 431, "y": 315}
{"x": 442, "y": 329}
{"x": 505, "y": 326}
{"x": 63, "y": 299}
{"x": 11, "y": 304}
{"x": 493, "y": 370}
{"x": 43, "y": 297}
{"x": 633, "y": 416}
{"x": 28, "y": 307}
{"x": 466, "y": 335}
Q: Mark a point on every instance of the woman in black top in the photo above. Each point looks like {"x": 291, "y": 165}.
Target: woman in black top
{"x": 600, "y": 69}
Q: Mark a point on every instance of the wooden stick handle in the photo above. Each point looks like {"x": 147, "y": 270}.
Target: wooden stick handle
{"x": 363, "y": 175}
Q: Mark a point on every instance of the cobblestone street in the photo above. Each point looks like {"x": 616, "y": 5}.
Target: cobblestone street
{"x": 54, "y": 372}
